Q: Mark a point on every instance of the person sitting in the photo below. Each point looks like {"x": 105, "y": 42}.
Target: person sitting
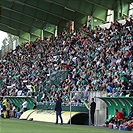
{"x": 123, "y": 112}
{"x": 24, "y": 106}
{"x": 118, "y": 117}
{"x": 128, "y": 125}
{"x": 18, "y": 113}
{"x": 35, "y": 106}
{"x": 130, "y": 116}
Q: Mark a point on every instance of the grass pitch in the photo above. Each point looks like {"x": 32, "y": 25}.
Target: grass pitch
{"x": 23, "y": 126}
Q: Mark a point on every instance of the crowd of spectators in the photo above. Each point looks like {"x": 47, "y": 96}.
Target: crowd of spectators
{"x": 96, "y": 60}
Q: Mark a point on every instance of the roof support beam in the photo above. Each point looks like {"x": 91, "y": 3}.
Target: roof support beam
{"x": 70, "y": 9}
{"x": 20, "y": 22}
{"x": 14, "y": 28}
{"x": 99, "y": 18}
{"x": 43, "y": 11}
{"x": 11, "y": 30}
{"x": 20, "y": 29}
{"x": 78, "y": 11}
{"x": 33, "y": 21}
{"x": 129, "y": 1}
{"x": 97, "y": 4}
{"x": 31, "y": 16}
{"x": 59, "y": 16}
{"x": 30, "y": 6}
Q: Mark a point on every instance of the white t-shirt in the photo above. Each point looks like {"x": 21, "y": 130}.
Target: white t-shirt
{"x": 25, "y": 104}
{"x": 0, "y": 109}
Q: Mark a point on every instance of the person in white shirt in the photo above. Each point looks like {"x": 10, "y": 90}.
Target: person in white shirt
{"x": 24, "y": 106}
{"x": 0, "y": 109}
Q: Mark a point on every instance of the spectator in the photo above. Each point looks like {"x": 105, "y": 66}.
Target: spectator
{"x": 8, "y": 108}
{"x": 0, "y": 107}
{"x": 13, "y": 110}
{"x": 123, "y": 112}
{"x": 35, "y": 106}
{"x": 18, "y": 113}
{"x": 130, "y": 116}
{"x": 96, "y": 60}
{"x": 24, "y": 106}
{"x": 118, "y": 117}
{"x": 4, "y": 104}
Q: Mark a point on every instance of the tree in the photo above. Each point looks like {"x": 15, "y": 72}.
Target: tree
{"x": 9, "y": 40}
{"x": 4, "y": 42}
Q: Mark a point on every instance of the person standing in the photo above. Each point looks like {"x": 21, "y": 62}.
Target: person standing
{"x": 0, "y": 106}
{"x": 92, "y": 111}
{"x": 4, "y": 103}
{"x": 24, "y": 106}
{"x": 58, "y": 109}
{"x": 8, "y": 108}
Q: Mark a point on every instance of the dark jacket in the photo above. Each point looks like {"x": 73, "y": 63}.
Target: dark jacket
{"x": 130, "y": 116}
{"x": 58, "y": 106}
{"x": 93, "y": 107}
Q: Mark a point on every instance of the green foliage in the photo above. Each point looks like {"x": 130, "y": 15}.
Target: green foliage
{"x": 9, "y": 40}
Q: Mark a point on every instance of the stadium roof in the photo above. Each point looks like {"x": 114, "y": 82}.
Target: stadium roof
{"x": 19, "y": 17}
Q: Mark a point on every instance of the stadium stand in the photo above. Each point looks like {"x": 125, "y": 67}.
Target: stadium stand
{"x": 77, "y": 62}
{"x": 106, "y": 53}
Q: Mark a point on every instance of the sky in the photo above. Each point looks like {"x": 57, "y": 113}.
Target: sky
{"x": 2, "y": 36}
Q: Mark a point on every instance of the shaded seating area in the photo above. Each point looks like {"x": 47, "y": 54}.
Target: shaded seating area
{"x": 117, "y": 118}
{"x": 17, "y": 101}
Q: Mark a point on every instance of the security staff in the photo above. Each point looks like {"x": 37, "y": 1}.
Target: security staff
{"x": 92, "y": 111}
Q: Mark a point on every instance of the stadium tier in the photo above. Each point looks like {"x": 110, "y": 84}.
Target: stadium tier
{"x": 75, "y": 65}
